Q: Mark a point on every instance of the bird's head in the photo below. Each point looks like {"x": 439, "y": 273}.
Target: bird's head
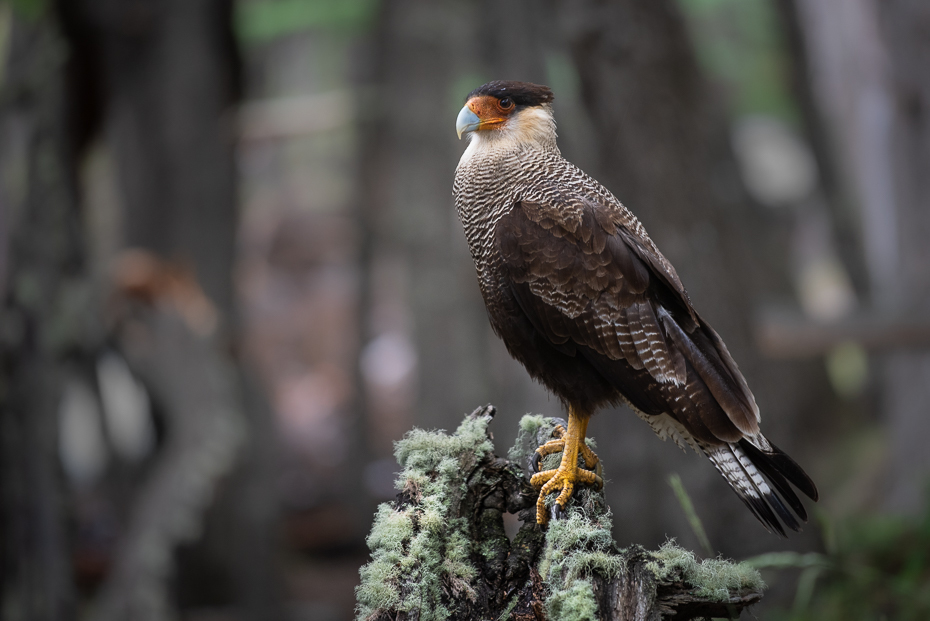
{"x": 518, "y": 111}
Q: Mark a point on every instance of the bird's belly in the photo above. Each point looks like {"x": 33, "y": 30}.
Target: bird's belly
{"x": 561, "y": 369}
{"x": 573, "y": 372}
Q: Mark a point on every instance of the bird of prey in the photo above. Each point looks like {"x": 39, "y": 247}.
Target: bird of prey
{"x": 581, "y": 296}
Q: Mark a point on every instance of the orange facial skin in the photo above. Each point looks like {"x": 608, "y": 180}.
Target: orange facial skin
{"x": 492, "y": 111}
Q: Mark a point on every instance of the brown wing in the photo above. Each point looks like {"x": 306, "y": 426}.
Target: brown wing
{"x": 590, "y": 285}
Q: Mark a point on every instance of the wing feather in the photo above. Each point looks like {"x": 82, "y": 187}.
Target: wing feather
{"x": 584, "y": 279}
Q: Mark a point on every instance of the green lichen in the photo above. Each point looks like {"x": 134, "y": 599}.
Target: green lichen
{"x": 581, "y": 531}
{"x": 419, "y": 550}
{"x": 510, "y": 606}
{"x": 527, "y": 440}
{"x": 715, "y": 579}
{"x": 577, "y": 548}
{"x": 534, "y": 431}
{"x": 422, "y": 556}
{"x": 491, "y": 547}
{"x": 580, "y": 546}
{"x": 574, "y": 603}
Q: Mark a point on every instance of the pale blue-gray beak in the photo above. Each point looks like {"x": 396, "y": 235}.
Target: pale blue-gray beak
{"x": 467, "y": 121}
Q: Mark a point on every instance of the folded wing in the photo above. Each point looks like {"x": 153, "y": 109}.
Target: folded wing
{"x": 592, "y": 287}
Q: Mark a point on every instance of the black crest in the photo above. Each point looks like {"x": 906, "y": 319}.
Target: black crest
{"x": 522, "y": 93}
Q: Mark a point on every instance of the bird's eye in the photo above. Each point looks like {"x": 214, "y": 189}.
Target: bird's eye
{"x": 506, "y": 103}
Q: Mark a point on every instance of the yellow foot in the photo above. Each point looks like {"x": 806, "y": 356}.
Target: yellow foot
{"x": 568, "y": 474}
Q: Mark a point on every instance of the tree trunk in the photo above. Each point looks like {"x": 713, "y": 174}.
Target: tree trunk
{"x": 166, "y": 75}
{"x": 46, "y": 321}
{"x": 412, "y": 243}
{"x": 160, "y": 81}
{"x": 904, "y": 25}
{"x": 195, "y": 386}
{"x": 867, "y": 68}
{"x": 440, "y": 550}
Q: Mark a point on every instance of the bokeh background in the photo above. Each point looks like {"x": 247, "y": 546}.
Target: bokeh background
{"x": 232, "y": 277}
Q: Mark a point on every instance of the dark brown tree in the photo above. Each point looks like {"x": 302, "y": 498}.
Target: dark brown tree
{"x": 157, "y": 82}
{"x": 47, "y": 318}
{"x": 864, "y": 70}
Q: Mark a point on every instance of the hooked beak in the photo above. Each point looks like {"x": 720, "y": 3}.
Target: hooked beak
{"x": 467, "y": 121}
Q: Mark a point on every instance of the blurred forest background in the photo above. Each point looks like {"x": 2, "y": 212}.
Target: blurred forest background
{"x": 232, "y": 276}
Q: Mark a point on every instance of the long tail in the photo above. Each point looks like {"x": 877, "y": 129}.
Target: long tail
{"x": 753, "y": 472}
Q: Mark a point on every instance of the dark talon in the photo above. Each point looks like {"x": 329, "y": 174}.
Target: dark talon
{"x": 536, "y": 459}
{"x": 556, "y": 511}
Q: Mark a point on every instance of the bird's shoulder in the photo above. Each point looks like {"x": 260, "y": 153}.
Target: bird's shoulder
{"x": 569, "y": 219}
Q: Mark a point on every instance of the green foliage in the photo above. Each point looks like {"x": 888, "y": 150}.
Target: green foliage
{"x": 263, "y": 20}
{"x": 29, "y": 9}
{"x": 739, "y": 43}
{"x": 848, "y": 369}
{"x": 420, "y": 550}
{"x": 688, "y": 507}
{"x": 878, "y": 568}
{"x": 811, "y": 566}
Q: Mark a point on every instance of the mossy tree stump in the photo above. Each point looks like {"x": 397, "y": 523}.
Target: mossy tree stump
{"x": 439, "y": 551}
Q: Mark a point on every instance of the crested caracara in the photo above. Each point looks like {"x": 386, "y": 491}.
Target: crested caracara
{"x": 582, "y": 297}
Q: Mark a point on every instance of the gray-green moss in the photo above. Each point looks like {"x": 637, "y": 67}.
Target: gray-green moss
{"x": 573, "y": 603}
{"x": 581, "y": 546}
{"x": 527, "y": 438}
{"x": 419, "y": 550}
{"x": 714, "y": 578}
{"x": 578, "y": 546}
{"x": 510, "y": 606}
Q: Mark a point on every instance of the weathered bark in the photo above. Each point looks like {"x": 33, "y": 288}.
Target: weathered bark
{"x": 571, "y": 569}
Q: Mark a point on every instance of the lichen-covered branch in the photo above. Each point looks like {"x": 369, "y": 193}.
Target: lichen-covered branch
{"x": 440, "y": 550}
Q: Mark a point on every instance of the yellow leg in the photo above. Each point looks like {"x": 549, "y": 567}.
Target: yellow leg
{"x": 568, "y": 474}
{"x": 590, "y": 459}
